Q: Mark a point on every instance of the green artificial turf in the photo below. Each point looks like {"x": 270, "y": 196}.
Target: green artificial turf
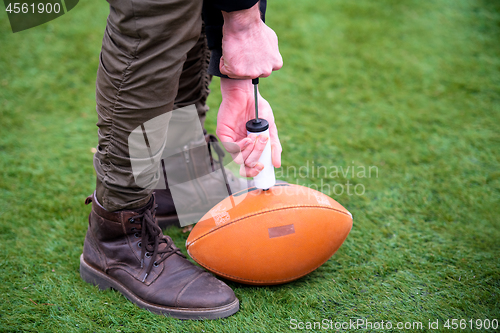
{"x": 409, "y": 90}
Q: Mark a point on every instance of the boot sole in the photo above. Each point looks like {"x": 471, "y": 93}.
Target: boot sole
{"x": 103, "y": 281}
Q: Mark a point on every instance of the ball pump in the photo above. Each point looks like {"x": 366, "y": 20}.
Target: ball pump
{"x": 266, "y": 178}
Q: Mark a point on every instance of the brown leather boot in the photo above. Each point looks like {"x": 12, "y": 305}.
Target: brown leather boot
{"x": 126, "y": 251}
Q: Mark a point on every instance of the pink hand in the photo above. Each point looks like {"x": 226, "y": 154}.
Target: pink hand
{"x": 237, "y": 107}
{"x": 249, "y": 46}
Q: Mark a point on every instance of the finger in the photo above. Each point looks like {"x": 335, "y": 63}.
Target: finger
{"x": 224, "y": 69}
{"x": 266, "y": 73}
{"x": 279, "y": 59}
{"x": 239, "y": 77}
{"x": 275, "y": 146}
{"x": 276, "y": 155}
{"x": 245, "y": 152}
{"x": 222, "y": 66}
{"x": 241, "y": 150}
{"x": 236, "y": 149}
{"x": 278, "y": 64}
{"x": 246, "y": 171}
{"x": 257, "y": 150}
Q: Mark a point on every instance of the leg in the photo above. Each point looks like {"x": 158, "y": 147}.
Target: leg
{"x": 143, "y": 54}
{"x": 142, "y": 57}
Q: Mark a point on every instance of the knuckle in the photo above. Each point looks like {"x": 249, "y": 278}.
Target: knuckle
{"x": 266, "y": 73}
{"x": 278, "y": 65}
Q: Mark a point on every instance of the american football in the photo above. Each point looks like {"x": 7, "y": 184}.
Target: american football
{"x": 269, "y": 237}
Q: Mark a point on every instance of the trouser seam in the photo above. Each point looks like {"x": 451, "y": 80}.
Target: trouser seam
{"x": 135, "y": 22}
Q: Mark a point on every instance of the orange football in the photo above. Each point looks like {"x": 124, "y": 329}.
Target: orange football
{"x": 269, "y": 237}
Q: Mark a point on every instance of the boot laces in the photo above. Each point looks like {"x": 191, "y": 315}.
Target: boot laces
{"x": 212, "y": 141}
{"x": 151, "y": 240}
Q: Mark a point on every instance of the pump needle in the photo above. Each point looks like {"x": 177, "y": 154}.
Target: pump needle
{"x": 255, "y": 83}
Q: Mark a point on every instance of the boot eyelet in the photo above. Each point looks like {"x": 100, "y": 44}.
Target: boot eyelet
{"x": 148, "y": 255}
{"x": 137, "y": 235}
{"x": 133, "y": 229}
{"x": 139, "y": 244}
{"x": 131, "y": 220}
{"x": 156, "y": 264}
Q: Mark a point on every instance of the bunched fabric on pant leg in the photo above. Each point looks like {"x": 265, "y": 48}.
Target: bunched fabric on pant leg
{"x": 194, "y": 80}
{"x": 144, "y": 49}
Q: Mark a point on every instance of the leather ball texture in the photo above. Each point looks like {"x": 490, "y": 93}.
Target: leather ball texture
{"x": 269, "y": 237}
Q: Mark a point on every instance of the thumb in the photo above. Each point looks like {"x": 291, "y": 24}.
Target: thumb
{"x": 222, "y": 67}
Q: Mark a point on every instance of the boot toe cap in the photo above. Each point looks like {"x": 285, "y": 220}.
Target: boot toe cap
{"x": 206, "y": 292}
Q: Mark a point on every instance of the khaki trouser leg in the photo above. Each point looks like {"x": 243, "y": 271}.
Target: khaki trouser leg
{"x": 143, "y": 54}
{"x": 194, "y": 80}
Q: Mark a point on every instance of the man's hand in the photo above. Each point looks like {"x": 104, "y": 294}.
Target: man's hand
{"x": 249, "y": 46}
{"x": 237, "y": 107}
